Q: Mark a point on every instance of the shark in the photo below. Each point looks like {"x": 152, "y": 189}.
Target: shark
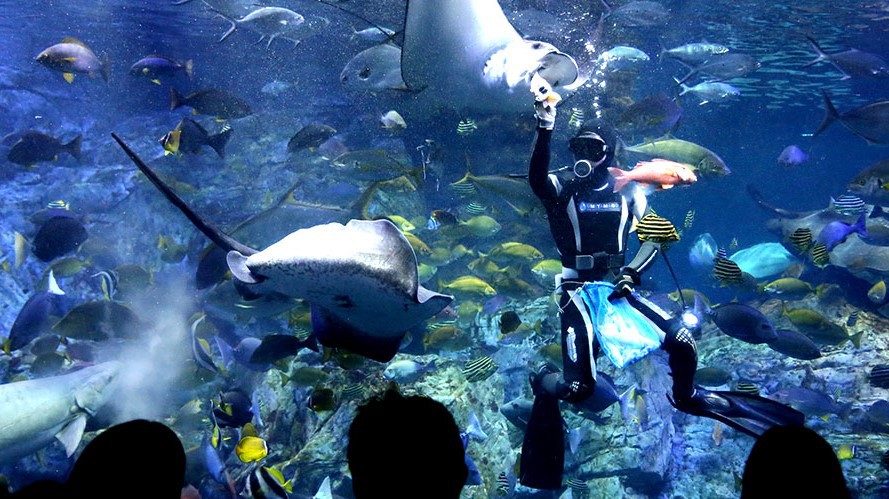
{"x": 360, "y": 278}
{"x": 35, "y": 412}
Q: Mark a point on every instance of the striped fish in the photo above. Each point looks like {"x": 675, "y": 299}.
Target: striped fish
{"x": 852, "y": 319}
{"x": 820, "y": 256}
{"x": 578, "y": 485}
{"x": 746, "y": 387}
{"x": 689, "y": 219}
{"x": 726, "y": 270}
{"x": 848, "y": 205}
{"x": 656, "y": 229}
{"x": 479, "y": 369}
{"x": 466, "y": 127}
{"x": 503, "y": 485}
{"x": 58, "y": 205}
{"x": 801, "y": 239}
{"x": 576, "y": 118}
{"x": 721, "y": 253}
{"x": 475, "y": 209}
{"x": 353, "y": 391}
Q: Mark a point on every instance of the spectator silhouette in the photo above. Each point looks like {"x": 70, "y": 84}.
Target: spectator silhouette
{"x": 138, "y": 458}
{"x": 792, "y": 461}
{"x": 402, "y": 447}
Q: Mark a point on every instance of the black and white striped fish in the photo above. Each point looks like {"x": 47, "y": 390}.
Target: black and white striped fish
{"x": 820, "y": 255}
{"x": 479, "y": 369}
{"x": 848, "y": 204}
{"x": 801, "y": 239}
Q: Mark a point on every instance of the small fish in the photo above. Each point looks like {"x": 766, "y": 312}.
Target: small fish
{"x": 171, "y": 251}
{"x": 406, "y": 370}
{"x": 837, "y": 231}
{"x": 212, "y": 102}
{"x": 879, "y": 376}
{"x": 801, "y": 239}
{"x": 153, "y": 67}
{"x": 659, "y": 172}
{"x": 575, "y": 120}
{"x": 322, "y": 399}
{"x": 33, "y": 318}
{"x": 846, "y": 451}
{"x": 251, "y": 449}
{"x": 820, "y": 255}
{"x": 712, "y": 376}
{"x": 354, "y": 391}
{"x": 440, "y": 218}
{"x": 479, "y": 369}
{"x": 513, "y": 251}
{"x": 711, "y": 91}
{"x": 21, "y": 249}
{"x": 621, "y": 58}
{"x": 689, "y": 219}
{"x": 34, "y": 147}
{"x": 853, "y": 318}
{"x": 268, "y": 482}
{"x": 201, "y": 351}
{"x": 792, "y": 156}
{"x": 656, "y": 229}
{"x": 468, "y": 285}
{"x": 375, "y": 34}
{"x": 57, "y": 237}
{"x": 189, "y": 136}
{"x": 847, "y": 205}
{"x": 476, "y": 209}
{"x": 877, "y": 292}
{"x": 693, "y": 54}
{"x": 474, "y": 428}
{"x": 310, "y": 137}
{"x": 232, "y": 409}
{"x": 795, "y": 345}
{"x": 73, "y": 56}
{"x": 788, "y": 288}
{"x": 466, "y": 127}
{"x": 577, "y": 484}
{"x": 746, "y": 387}
{"x": 392, "y": 121}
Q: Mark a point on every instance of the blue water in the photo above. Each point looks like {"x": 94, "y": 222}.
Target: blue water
{"x": 780, "y": 105}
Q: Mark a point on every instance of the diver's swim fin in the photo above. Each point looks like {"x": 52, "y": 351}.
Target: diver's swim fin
{"x": 747, "y": 413}
{"x": 543, "y": 449}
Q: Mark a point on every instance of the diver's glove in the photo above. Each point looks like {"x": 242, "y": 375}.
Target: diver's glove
{"x": 624, "y": 282}
{"x": 545, "y": 101}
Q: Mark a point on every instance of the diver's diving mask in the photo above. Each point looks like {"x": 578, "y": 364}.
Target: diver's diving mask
{"x": 592, "y": 149}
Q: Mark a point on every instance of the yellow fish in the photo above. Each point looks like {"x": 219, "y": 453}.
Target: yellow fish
{"x": 417, "y": 244}
{"x": 877, "y": 292}
{"x": 515, "y": 251}
{"x": 469, "y": 285}
{"x": 251, "y": 449}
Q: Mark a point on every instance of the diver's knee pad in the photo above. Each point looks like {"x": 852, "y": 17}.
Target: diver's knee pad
{"x": 680, "y": 337}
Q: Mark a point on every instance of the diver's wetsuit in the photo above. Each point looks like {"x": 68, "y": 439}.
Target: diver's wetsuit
{"x": 590, "y": 224}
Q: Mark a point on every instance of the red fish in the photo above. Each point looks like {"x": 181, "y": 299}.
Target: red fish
{"x": 660, "y": 172}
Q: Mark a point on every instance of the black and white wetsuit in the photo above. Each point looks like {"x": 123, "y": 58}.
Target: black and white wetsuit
{"x": 590, "y": 225}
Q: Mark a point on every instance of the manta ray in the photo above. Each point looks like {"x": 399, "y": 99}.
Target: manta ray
{"x": 466, "y": 54}
{"x": 360, "y": 279}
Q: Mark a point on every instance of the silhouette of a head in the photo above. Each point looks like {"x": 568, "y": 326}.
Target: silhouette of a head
{"x": 405, "y": 447}
{"x": 149, "y": 449}
{"x": 792, "y": 461}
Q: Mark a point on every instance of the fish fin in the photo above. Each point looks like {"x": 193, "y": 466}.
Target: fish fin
{"x": 324, "y": 491}
{"x": 830, "y": 114}
{"x": 217, "y": 142}
{"x": 69, "y": 77}
{"x": 70, "y": 435}
{"x": 817, "y": 48}
{"x": 156, "y": 81}
{"x": 620, "y": 178}
{"x": 237, "y": 263}
{"x": 74, "y": 146}
{"x": 175, "y": 99}
{"x": 333, "y": 332}
{"x": 53, "y": 285}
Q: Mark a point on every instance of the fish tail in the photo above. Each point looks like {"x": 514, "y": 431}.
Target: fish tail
{"x": 106, "y": 67}
{"x": 830, "y": 114}
{"x": 861, "y": 225}
{"x": 175, "y": 99}
{"x": 817, "y": 48}
{"x": 213, "y": 233}
{"x": 685, "y": 78}
{"x": 218, "y": 141}
{"x": 73, "y": 147}
{"x": 620, "y": 178}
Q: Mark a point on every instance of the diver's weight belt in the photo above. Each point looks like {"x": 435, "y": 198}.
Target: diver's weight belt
{"x": 600, "y": 260}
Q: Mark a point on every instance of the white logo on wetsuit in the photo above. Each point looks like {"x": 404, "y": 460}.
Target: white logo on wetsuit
{"x": 587, "y": 207}
{"x": 572, "y": 348}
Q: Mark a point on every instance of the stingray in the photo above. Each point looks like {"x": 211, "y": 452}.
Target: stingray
{"x": 468, "y": 55}
{"x": 360, "y": 278}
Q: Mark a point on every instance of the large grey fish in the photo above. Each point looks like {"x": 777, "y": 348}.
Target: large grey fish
{"x": 693, "y": 54}
{"x": 361, "y": 278}
{"x": 870, "y": 122}
{"x": 639, "y": 13}
{"x": 34, "y": 412}
{"x": 739, "y": 321}
{"x": 852, "y": 62}
{"x": 33, "y": 147}
{"x": 651, "y": 116}
{"x": 73, "y": 56}
{"x": 375, "y": 68}
{"x": 269, "y": 22}
{"x": 724, "y": 67}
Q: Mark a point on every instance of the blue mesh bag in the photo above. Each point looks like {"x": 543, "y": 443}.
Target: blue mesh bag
{"x": 625, "y": 335}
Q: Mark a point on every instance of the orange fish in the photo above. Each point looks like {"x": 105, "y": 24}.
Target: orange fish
{"x": 660, "y": 172}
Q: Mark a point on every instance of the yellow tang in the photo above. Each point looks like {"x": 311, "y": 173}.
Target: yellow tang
{"x": 251, "y": 449}
{"x": 470, "y": 285}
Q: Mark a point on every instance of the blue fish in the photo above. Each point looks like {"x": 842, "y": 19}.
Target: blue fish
{"x": 836, "y": 232}
{"x": 34, "y": 315}
{"x": 792, "y": 156}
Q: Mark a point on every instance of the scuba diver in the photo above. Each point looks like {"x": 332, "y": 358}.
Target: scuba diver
{"x": 590, "y": 224}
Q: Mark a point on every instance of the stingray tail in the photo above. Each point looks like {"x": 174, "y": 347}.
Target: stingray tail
{"x": 830, "y": 114}
{"x": 765, "y": 205}
{"x": 221, "y": 239}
